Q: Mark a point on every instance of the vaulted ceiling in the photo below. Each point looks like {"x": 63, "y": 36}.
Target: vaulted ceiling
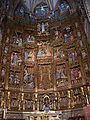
{"x": 31, "y": 4}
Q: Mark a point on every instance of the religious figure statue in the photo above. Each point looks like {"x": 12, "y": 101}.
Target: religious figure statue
{"x": 15, "y": 58}
{"x": 42, "y": 11}
{"x": 81, "y": 43}
{"x": 39, "y": 53}
{"x": 43, "y": 28}
{"x": 7, "y": 40}
{"x": 72, "y": 78}
{"x": 36, "y": 14}
{"x": 20, "y": 42}
{"x": 65, "y": 37}
{"x": 26, "y": 56}
{"x": 3, "y": 72}
{"x": 39, "y": 28}
{"x": 83, "y": 54}
{"x": 57, "y": 35}
{"x": 6, "y": 50}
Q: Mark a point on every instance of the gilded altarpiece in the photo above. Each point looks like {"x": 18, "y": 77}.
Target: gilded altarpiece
{"x": 45, "y": 66}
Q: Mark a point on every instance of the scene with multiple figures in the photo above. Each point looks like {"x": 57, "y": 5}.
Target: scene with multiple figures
{"x": 44, "y": 60}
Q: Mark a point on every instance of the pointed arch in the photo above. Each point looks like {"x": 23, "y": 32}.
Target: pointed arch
{"x": 20, "y": 8}
{"x": 42, "y": 9}
{"x": 67, "y": 1}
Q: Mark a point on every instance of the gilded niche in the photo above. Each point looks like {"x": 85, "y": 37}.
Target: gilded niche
{"x": 45, "y": 77}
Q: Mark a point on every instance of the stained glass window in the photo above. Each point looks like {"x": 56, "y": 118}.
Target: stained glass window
{"x": 6, "y": 3}
{"x": 64, "y": 7}
{"x": 21, "y": 11}
{"x": 56, "y": 14}
{"x": 68, "y": 35}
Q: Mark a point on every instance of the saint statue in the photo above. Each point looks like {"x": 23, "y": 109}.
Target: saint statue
{"x": 3, "y": 72}
{"x": 42, "y": 10}
{"x": 72, "y": 75}
{"x": 38, "y": 27}
{"x": 20, "y": 42}
{"x": 47, "y": 14}
{"x": 36, "y": 14}
{"x": 7, "y": 40}
{"x": 39, "y": 53}
{"x": 80, "y": 76}
{"x": 65, "y": 37}
{"x": 43, "y": 28}
{"x": 81, "y": 43}
{"x": 12, "y": 58}
{"x": 15, "y": 59}
{"x": 26, "y": 55}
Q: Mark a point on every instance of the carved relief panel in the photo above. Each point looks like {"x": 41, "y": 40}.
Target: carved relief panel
{"x": 45, "y": 77}
{"x": 61, "y": 76}
{"x": 68, "y": 34}
{"x": 5, "y": 50}
{"x": 78, "y": 98}
{"x": 59, "y": 54}
{"x": 63, "y": 99}
{"x": 29, "y": 41}
{"x": 75, "y": 75}
{"x": 14, "y": 79}
{"x": 14, "y": 101}
{"x": 28, "y": 101}
{"x": 72, "y": 56}
{"x": 29, "y": 56}
{"x": 17, "y": 39}
{"x": 16, "y": 59}
{"x": 29, "y": 80}
{"x": 87, "y": 72}
{"x": 44, "y": 50}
